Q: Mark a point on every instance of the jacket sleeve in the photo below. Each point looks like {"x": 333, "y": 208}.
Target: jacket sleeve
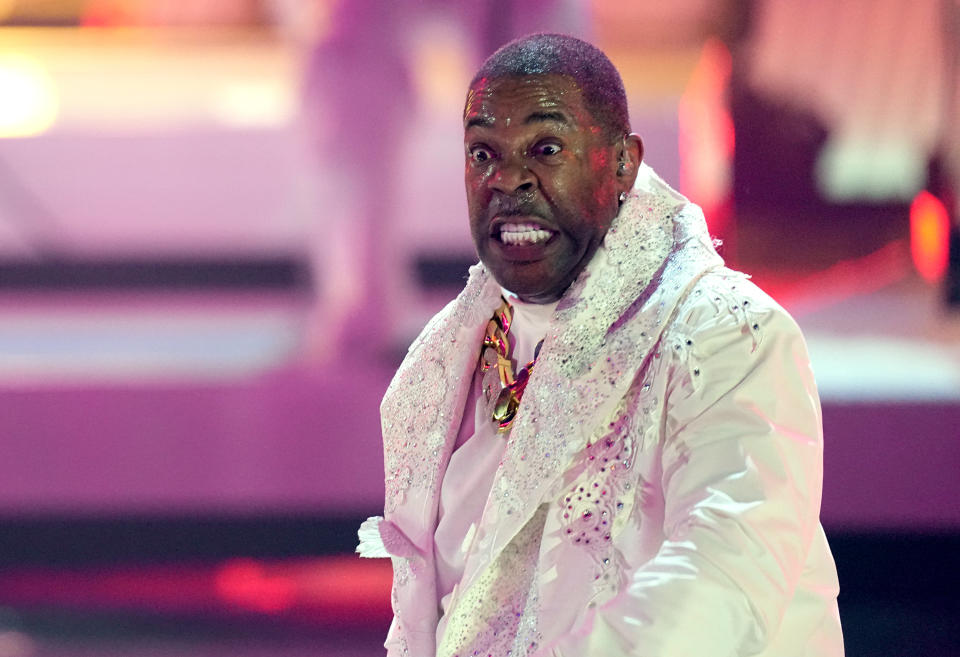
{"x": 741, "y": 479}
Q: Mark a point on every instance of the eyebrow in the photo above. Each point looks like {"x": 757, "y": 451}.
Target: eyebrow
{"x": 536, "y": 117}
{"x": 480, "y": 122}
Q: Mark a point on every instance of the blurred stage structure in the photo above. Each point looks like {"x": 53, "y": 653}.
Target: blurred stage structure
{"x": 221, "y": 222}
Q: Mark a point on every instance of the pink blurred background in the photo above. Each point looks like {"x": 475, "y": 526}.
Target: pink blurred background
{"x": 222, "y": 221}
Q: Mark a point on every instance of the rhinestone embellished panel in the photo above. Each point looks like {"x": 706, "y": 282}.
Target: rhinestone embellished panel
{"x": 498, "y": 614}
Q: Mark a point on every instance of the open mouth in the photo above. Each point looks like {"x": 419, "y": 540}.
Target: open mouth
{"x": 523, "y": 234}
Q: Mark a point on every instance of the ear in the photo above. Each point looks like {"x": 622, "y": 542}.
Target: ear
{"x": 629, "y": 157}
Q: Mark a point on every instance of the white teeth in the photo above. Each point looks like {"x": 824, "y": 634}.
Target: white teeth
{"x": 526, "y": 233}
{"x": 519, "y": 228}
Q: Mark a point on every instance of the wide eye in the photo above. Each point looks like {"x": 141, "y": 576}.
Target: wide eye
{"x": 547, "y": 149}
{"x": 480, "y": 154}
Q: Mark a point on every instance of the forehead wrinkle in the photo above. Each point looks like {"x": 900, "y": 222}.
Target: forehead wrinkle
{"x": 537, "y": 116}
{"x": 553, "y": 103}
{"x": 546, "y": 116}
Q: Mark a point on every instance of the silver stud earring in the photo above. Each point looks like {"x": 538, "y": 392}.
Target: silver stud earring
{"x": 623, "y": 196}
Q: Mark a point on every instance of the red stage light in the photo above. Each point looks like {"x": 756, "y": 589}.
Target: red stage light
{"x": 246, "y": 583}
{"x": 341, "y": 587}
{"x": 707, "y": 137}
{"x": 929, "y": 236}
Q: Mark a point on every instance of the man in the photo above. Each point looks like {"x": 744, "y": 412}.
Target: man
{"x": 608, "y": 444}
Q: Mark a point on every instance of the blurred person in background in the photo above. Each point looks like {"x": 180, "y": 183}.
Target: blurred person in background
{"x": 608, "y": 443}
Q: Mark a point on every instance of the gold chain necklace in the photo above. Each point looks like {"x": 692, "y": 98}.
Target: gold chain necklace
{"x": 502, "y": 391}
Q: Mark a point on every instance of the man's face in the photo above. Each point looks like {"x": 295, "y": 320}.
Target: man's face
{"x": 542, "y": 183}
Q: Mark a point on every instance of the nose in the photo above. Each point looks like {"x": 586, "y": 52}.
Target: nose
{"x": 512, "y": 176}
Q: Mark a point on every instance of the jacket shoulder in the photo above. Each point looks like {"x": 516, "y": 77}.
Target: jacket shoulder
{"x": 726, "y": 299}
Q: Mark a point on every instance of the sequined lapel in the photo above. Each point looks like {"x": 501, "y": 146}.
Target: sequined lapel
{"x": 420, "y": 413}
{"x": 422, "y": 406}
